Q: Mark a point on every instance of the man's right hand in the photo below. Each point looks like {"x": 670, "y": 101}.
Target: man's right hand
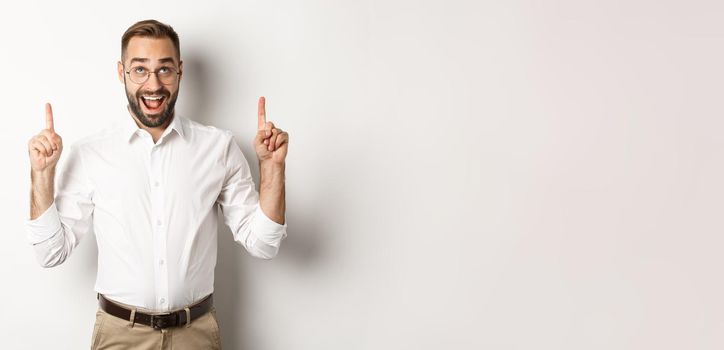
{"x": 46, "y": 146}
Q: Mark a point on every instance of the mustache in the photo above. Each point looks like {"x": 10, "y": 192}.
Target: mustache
{"x": 160, "y": 92}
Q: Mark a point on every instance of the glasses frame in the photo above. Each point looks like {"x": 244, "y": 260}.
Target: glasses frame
{"x": 148, "y": 75}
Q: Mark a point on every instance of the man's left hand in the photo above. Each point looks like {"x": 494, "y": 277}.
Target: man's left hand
{"x": 270, "y": 142}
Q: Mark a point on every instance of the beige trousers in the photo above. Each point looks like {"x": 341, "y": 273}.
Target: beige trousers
{"x": 113, "y": 333}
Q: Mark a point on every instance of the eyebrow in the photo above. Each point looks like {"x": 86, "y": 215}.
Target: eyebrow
{"x": 161, "y": 60}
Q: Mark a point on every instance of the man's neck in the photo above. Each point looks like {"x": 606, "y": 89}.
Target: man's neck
{"x": 155, "y": 132}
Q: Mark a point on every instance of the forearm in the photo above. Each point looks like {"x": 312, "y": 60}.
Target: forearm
{"x": 271, "y": 191}
{"x": 42, "y": 191}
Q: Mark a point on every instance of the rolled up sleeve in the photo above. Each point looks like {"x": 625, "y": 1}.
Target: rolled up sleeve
{"x": 56, "y": 232}
{"x": 239, "y": 203}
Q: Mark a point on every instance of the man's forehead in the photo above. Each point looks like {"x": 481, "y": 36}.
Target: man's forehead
{"x": 150, "y": 50}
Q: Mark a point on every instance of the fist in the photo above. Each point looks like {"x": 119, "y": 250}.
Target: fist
{"x": 45, "y": 147}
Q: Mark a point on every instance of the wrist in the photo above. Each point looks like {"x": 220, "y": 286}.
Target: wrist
{"x": 271, "y": 173}
{"x": 271, "y": 166}
{"x": 45, "y": 174}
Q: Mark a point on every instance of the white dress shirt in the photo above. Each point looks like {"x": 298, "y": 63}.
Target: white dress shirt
{"x": 153, "y": 209}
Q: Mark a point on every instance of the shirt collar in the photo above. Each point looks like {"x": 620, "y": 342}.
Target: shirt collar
{"x": 130, "y": 127}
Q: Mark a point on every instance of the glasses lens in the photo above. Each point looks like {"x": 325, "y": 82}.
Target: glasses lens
{"x": 138, "y": 75}
{"x": 167, "y": 75}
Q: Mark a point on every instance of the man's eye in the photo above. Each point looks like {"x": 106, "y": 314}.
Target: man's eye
{"x": 164, "y": 70}
{"x": 139, "y": 70}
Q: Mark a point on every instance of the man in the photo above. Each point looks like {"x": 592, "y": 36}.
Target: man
{"x": 148, "y": 188}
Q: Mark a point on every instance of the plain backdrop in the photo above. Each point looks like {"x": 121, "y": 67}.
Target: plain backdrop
{"x": 461, "y": 174}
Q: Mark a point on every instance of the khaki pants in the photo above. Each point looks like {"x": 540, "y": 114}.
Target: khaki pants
{"x": 113, "y": 333}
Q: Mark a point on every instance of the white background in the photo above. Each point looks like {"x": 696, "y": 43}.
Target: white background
{"x": 461, "y": 174}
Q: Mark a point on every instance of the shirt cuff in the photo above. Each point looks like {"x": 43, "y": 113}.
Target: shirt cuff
{"x": 44, "y": 226}
{"x": 267, "y": 230}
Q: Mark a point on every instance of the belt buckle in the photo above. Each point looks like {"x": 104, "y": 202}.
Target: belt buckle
{"x": 162, "y": 321}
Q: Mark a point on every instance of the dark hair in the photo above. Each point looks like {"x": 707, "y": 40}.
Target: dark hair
{"x": 150, "y": 28}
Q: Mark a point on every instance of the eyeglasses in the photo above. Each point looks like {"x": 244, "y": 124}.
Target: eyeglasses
{"x": 166, "y": 75}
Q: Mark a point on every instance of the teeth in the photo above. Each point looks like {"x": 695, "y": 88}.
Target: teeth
{"x": 153, "y": 98}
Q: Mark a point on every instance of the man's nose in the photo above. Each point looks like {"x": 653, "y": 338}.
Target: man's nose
{"x": 153, "y": 83}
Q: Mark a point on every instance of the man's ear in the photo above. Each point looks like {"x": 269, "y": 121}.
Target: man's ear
{"x": 180, "y": 69}
{"x": 120, "y": 72}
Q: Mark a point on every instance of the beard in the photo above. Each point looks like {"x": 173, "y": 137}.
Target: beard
{"x": 152, "y": 120}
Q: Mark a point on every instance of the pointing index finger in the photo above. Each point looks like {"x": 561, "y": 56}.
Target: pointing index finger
{"x": 49, "y": 117}
{"x": 262, "y": 113}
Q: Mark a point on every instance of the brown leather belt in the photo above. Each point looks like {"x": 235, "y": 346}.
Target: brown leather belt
{"x": 157, "y": 321}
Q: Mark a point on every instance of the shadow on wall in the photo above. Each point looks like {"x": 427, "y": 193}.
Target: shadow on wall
{"x": 194, "y": 95}
{"x": 299, "y": 250}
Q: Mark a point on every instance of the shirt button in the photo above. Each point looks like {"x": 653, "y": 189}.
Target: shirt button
{"x": 160, "y": 262}
{"x": 162, "y": 300}
{"x": 158, "y": 222}
{"x": 155, "y": 183}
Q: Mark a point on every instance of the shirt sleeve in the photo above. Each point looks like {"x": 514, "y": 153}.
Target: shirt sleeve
{"x": 56, "y": 232}
{"x": 239, "y": 203}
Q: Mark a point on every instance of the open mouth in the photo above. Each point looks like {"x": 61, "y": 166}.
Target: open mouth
{"x": 153, "y": 103}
